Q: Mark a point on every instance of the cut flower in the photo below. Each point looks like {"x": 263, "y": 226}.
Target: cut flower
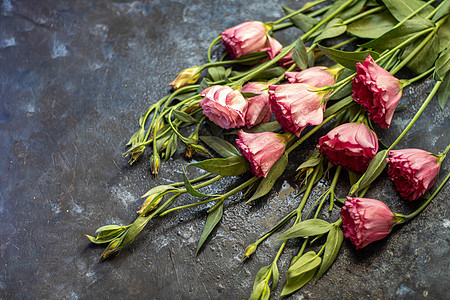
{"x": 413, "y": 172}
{"x": 259, "y": 110}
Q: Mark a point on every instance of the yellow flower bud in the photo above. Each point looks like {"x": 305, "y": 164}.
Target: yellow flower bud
{"x": 186, "y": 77}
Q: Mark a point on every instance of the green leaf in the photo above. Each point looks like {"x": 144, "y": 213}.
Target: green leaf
{"x": 338, "y": 106}
{"x": 213, "y": 219}
{"x": 275, "y": 276}
{"x": 301, "y": 21}
{"x": 190, "y": 189}
{"x": 443, "y": 64}
{"x": 444, "y": 35}
{"x": 202, "y": 86}
{"x": 353, "y": 10}
{"x": 222, "y": 147}
{"x": 267, "y": 183}
{"x": 347, "y": 59}
{"x": 311, "y": 162}
{"x": 230, "y": 166}
{"x": 332, "y": 246}
{"x": 333, "y": 29}
{"x": 299, "y": 56}
{"x": 269, "y": 73}
{"x": 301, "y": 272}
{"x": 306, "y": 228}
{"x": 266, "y": 127}
{"x": 443, "y": 11}
{"x": 400, "y": 9}
{"x": 398, "y": 35}
{"x": 261, "y": 291}
{"x": 217, "y": 73}
{"x": 426, "y": 56}
{"x": 134, "y": 230}
{"x": 353, "y": 177}
{"x": 181, "y": 97}
{"x": 443, "y": 93}
{"x": 262, "y": 275}
{"x": 376, "y": 166}
{"x": 184, "y": 117}
{"x": 372, "y": 27}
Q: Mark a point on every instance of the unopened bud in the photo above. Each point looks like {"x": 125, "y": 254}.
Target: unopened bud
{"x": 186, "y": 77}
{"x": 155, "y": 161}
{"x": 150, "y": 202}
{"x": 249, "y": 251}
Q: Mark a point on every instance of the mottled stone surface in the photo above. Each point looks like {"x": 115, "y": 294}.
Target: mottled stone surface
{"x": 75, "y": 77}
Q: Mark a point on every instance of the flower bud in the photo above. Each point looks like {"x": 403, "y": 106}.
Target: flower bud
{"x": 249, "y": 37}
{"x": 155, "y": 161}
{"x": 224, "y": 106}
{"x": 150, "y": 203}
{"x": 366, "y": 220}
{"x": 413, "y": 172}
{"x": 249, "y": 251}
{"x": 262, "y": 150}
{"x": 350, "y": 145}
{"x": 259, "y": 110}
{"x": 186, "y": 77}
{"x": 377, "y": 91}
{"x": 297, "y": 105}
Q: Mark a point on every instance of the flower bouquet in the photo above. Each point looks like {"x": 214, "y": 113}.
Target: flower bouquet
{"x": 335, "y": 87}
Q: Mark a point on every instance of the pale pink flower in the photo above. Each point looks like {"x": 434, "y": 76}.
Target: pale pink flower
{"x": 296, "y": 106}
{"x": 315, "y": 76}
{"x": 249, "y": 37}
{"x": 224, "y": 106}
{"x": 259, "y": 110}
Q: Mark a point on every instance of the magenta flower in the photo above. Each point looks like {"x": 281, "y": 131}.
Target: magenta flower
{"x": 350, "y": 145}
{"x": 262, "y": 150}
{"x": 377, "y": 91}
{"x": 366, "y": 220}
{"x": 315, "y": 76}
{"x": 413, "y": 172}
{"x": 258, "y": 106}
{"x": 249, "y": 37}
{"x": 296, "y": 106}
{"x": 224, "y": 106}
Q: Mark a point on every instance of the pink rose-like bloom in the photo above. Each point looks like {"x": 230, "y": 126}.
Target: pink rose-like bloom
{"x": 377, "y": 91}
{"x": 249, "y": 37}
{"x": 258, "y": 106}
{"x": 366, "y": 220}
{"x": 315, "y": 76}
{"x": 350, "y": 145}
{"x": 413, "y": 172}
{"x": 262, "y": 150}
{"x": 296, "y": 106}
{"x": 224, "y": 106}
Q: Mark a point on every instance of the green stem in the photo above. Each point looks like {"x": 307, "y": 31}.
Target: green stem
{"x": 212, "y": 45}
{"x": 333, "y": 186}
{"x": 362, "y": 15}
{"x": 436, "y": 10}
{"x": 200, "y": 178}
{"x": 413, "y": 14}
{"x": 424, "y": 205}
{"x": 417, "y": 115}
{"x": 304, "y": 8}
{"x": 412, "y": 80}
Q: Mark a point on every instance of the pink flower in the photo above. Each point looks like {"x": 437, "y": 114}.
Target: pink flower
{"x": 249, "y": 37}
{"x": 258, "y": 106}
{"x": 315, "y": 76}
{"x": 224, "y": 106}
{"x": 350, "y": 145}
{"x": 413, "y": 171}
{"x": 366, "y": 220}
{"x": 262, "y": 150}
{"x": 377, "y": 91}
{"x": 296, "y": 105}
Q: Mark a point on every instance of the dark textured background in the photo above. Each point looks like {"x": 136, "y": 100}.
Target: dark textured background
{"x": 75, "y": 77}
